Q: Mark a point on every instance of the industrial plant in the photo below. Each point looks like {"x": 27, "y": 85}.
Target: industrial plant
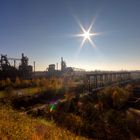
{"x": 52, "y": 71}
{"x": 23, "y": 71}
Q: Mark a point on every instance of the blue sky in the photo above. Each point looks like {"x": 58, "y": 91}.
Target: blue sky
{"x": 43, "y": 29}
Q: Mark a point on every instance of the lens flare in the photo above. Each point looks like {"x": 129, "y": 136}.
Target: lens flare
{"x": 87, "y": 34}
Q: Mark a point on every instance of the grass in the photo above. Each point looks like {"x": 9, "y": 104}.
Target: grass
{"x": 30, "y": 90}
{"x": 18, "y": 126}
{"x": 24, "y": 91}
{"x": 2, "y": 94}
{"x": 14, "y": 125}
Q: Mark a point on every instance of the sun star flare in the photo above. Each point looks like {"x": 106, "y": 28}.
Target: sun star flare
{"x": 87, "y": 35}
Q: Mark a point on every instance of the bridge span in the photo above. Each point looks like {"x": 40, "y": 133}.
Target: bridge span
{"x": 96, "y": 80}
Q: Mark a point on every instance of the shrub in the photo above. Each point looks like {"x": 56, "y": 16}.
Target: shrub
{"x": 8, "y": 82}
{"x": 25, "y": 83}
{"x": 120, "y": 97}
{"x": 114, "y": 97}
{"x": 17, "y": 82}
{"x": 89, "y": 113}
{"x": 105, "y": 97}
{"x": 2, "y": 83}
{"x": 133, "y": 122}
{"x": 116, "y": 127}
{"x": 9, "y": 92}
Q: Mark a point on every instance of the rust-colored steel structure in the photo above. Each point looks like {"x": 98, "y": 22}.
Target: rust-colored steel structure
{"x": 98, "y": 80}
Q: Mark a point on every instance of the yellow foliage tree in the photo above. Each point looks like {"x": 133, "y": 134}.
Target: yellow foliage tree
{"x": 120, "y": 97}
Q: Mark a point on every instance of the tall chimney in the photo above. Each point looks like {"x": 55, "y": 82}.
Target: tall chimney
{"x": 56, "y": 66}
{"x": 61, "y": 59}
{"x": 34, "y": 66}
{"x": 61, "y": 63}
{"x": 22, "y": 55}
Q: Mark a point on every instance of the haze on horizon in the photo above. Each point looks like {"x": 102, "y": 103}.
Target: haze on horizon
{"x": 43, "y": 30}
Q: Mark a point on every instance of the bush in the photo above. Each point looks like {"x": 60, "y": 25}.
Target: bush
{"x": 114, "y": 97}
{"x": 133, "y": 122}
{"x": 8, "y": 82}
{"x": 120, "y": 97}
{"x": 73, "y": 123}
{"x": 9, "y": 92}
{"x": 17, "y": 82}
{"x": 116, "y": 125}
{"x": 2, "y": 84}
{"x": 89, "y": 113}
{"x": 105, "y": 96}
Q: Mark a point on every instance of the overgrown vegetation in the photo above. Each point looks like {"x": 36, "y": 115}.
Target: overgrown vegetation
{"x": 101, "y": 115}
{"x": 14, "y": 125}
{"x": 18, "y": 126}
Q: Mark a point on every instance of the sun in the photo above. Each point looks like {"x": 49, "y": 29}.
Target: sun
{"x": 87, "y": 35}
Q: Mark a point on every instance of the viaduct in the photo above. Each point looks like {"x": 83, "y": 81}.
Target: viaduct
{"x": 98, "y": 80}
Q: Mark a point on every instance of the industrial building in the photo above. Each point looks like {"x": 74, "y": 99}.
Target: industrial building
{"x": 23, "y": 71}
{"x": 52, "y": 71}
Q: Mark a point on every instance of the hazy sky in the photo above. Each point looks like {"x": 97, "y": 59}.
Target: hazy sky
{"x": 43, "y": 29}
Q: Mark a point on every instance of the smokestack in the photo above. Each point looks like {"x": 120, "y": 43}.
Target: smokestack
{"x": 14, "y": 63}
{"x": 61, "y": 63}
{"x": 34, "y": 66}
{"x": 56, "y": 66}
{"x": 22, "y": 55}
{"x": 61, "y": 59}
